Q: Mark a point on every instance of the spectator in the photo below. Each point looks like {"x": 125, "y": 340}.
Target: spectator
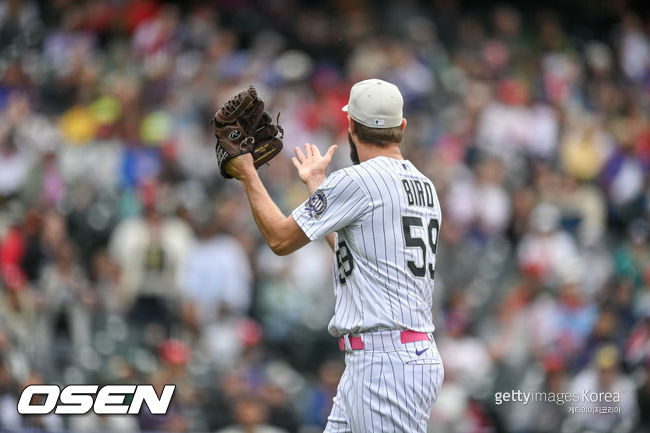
{"x": 250, "y": 415}
{"x": 604, "y": 376}
{"x": 216, "y": 276}
{"x": 149, "y": 250}
{"x": 319, "y": 400}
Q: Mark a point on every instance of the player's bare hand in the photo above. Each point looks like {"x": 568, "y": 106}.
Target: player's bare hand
{"x": 311, "y": 165}
{"x": 241, "y": 166}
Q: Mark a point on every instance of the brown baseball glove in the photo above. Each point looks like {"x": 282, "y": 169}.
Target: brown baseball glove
{"x": 242, "y": 126}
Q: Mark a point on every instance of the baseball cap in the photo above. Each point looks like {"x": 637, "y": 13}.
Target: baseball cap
{"x": 375, "y": 103}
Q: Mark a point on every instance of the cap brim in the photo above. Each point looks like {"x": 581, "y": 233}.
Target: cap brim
{"x": 345, "y": 108}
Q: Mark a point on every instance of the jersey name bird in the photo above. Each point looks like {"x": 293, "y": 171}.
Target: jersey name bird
{"x": 416, "y": 194}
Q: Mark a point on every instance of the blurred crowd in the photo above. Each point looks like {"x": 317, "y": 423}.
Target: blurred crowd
{"x": 126, "y": 258}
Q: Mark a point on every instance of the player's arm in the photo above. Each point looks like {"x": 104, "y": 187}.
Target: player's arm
{"x": 282, "y": 234}
{"x": 311, "y": 167}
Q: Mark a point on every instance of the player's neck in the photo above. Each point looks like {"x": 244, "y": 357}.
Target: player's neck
{"x": 367, "y": 152}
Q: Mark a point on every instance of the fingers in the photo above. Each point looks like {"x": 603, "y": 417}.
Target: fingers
{"x": 312, "y": 151}
{"x": 330, "y": 152}
{"x": 300, "y": 155}
{"x": 295, "y": 162}
{"x": 308, "y": 151}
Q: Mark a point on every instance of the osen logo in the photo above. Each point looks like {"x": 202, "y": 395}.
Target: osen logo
{"x": 80, "y": 399}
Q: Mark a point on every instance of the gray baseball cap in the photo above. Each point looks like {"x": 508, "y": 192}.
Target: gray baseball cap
{"x": 375, "y": 103}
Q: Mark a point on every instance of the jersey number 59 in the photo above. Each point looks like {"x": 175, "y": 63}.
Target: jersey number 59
{"x": 418, "y": 242}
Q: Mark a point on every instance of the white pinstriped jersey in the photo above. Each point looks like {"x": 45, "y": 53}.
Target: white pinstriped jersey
{"x": 387, "y": 216}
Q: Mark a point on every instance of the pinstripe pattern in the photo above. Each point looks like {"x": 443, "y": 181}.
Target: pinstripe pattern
{"x": 383, "y": 281}
{"x": 388, "y": 388}
{"x": 365, "y": 206}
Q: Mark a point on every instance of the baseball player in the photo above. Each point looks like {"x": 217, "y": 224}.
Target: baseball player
{"x": 381, "y": 216}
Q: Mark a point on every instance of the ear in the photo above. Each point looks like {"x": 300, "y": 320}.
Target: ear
{"x": 403, "y": 125}
{"x": 350, "y": 125}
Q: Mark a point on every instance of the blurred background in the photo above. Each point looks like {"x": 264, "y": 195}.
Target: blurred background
{"x": 126, "y": 258}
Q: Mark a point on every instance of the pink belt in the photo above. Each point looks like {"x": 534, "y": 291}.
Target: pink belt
{"x": 356, "y": 342}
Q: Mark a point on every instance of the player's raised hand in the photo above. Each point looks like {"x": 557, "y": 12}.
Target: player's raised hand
{"x": 311, "y": 165}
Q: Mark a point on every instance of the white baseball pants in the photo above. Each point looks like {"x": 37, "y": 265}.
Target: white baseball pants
{"x": 387, "y": 386}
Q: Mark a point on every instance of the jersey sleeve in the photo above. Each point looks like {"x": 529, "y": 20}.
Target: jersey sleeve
{"x": 337, "y": 203}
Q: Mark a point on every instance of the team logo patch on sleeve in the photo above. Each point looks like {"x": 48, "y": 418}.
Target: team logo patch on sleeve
{"x": 316, "y": 204}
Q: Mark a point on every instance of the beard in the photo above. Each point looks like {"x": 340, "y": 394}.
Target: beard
{"x": 354, "y": 156}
